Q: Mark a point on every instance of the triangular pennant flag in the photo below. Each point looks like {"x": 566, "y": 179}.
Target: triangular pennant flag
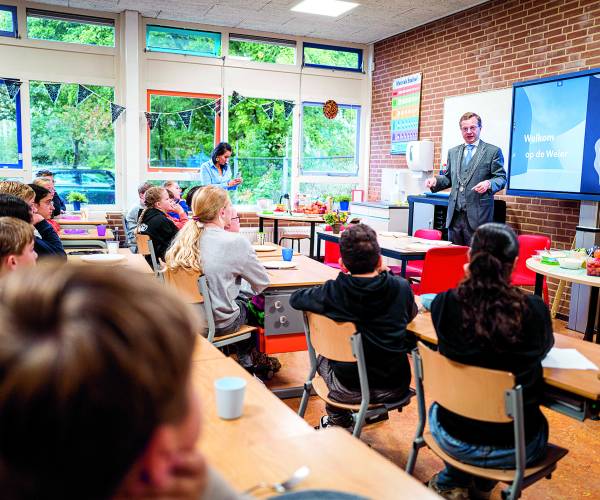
{"x": 218, "y": 106}
{"x": 82, "y": 94}
{"x": 53, "y": 90}
{"x": 12, "y": 87}
{"x": 186, "y": 117}
{"x": 115, "y": 111}
{"x": 235, "y": 100}
{"x": 152, "y": 119}
{"x": 288, "y": 107}
{"x": 269, "y": 109}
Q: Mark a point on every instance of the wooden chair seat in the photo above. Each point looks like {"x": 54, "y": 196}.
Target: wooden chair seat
{"x": 544, "y": 467}
{"x": 295, "y": 236}
{"x": 244, "y": 330}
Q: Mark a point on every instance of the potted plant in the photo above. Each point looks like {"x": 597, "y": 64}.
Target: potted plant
{"x": 335, "y": 219}
{"x": 343, "y": 200}
{"x": 77, "y": 199}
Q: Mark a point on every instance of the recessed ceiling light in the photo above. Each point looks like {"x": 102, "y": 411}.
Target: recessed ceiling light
{"x": 332, "y": 8}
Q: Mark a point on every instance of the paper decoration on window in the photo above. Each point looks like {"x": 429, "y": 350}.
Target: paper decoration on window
{"x": 269, "y": 109}
{"x": 152, "y": 119}
{"x": 186, "y": 118}
{"x": 115, "y": 111}
{"x": 288, "y": 107}
{"x": 12, "y": 87}
{"x": 218, "y": 106}
{"x": 53, "y": 90}
{"x": 330, "y": 109}
{"x": 235, "y": 100}
{"x": 82, "y": 94}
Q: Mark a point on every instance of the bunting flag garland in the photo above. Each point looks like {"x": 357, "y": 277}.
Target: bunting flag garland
{"x": 53, "y": 90}
{"x": 82, "y": 94}
{"x": 186, "y": 117}
{"x": 115, "y": 111}
{"x": 218, "y": 106}
{"x": 235, "y": 100}
{"x": 152, "y": 119}
{"x": 269, "y": 109}
{"x": 288, "y": 107}
{"x": 12, "y": 87}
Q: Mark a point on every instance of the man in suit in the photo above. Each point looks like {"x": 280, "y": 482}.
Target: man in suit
{"x": 475, "y": 171}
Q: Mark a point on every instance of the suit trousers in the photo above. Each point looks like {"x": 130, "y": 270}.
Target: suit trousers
{"x": 460, "y": 232}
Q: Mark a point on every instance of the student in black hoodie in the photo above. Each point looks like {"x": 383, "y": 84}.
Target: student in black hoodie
{"x": 154, "y": 222}
{"x": 487, "y": 322}
{"x": 380, "y": 305}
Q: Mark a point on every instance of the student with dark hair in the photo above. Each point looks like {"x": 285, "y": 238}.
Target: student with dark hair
{"x": 380, "y": 305}
{"x": 189, "y": 196}
{"x": 59, "y": 204}
{"x": 217, "y": 171}
{"x": 97, "y": 403}
{"x": 43, "y": 204}
{"x": 489, "y": 323}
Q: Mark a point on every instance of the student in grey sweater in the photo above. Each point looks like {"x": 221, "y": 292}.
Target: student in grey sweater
{"x": 131, "y": 219}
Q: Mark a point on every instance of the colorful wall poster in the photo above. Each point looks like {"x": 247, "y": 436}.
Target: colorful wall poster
{"x": 406, "y": 100}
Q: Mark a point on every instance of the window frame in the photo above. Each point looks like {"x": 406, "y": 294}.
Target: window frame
{"x": 324, "y": 175}
{"x": 282, "y": 42}
{"x": 173, "y": 93}
{"x": 19, "y": 123}
{"x": 74, "y": 18}
{"x": 337, "y": 48}
{"x": 15, "y": 32}
{"x": 215, "y": 35}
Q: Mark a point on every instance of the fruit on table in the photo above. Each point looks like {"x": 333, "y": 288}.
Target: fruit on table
{"x": 593, "y": 267}
{"x": 597, "y": 253}
{"x": 318, "y": 207}
{"x": 280, "y": 207}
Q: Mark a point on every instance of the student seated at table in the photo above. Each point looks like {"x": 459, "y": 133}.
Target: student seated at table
{"x": 131, "y": 219}
{"x": 47, "y": 242}
{"x": 96, "y": 397}
{"x": 177, "y": 214}
{"x": 225, "y": 258}
{"x": 380, "y": 305}
{"x": 154, "y": 222}
{"x": 16, "y": 244}
{"x": 43, "y": 204}
{"x": 189, "y": 195}
{"x": 489, "y": 323}
{"x": 59, "y": 204}
{"x": 173, "y": 186}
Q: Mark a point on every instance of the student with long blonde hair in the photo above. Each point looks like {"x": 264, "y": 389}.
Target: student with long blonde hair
{"x": 225, "y": 258}
{"x": 154, "y": 222}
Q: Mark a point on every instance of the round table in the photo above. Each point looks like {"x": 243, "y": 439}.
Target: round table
{"x": 578, "y": 276}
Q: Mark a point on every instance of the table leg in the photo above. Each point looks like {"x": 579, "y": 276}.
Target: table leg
{"x": 311, "y": 253}
{"x": 261, "y": 224}
{"x": 539, "y": 284}
{"x": 276, "y": 231}
{"x": 403, "y": 268}
{"x": 591, "y": 320}
{"x": 319, "y": 247}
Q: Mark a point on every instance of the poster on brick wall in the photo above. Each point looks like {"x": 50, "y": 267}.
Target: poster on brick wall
{"x": 406, "y": 100}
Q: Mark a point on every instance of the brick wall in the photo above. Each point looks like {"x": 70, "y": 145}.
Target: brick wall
{"x": 484, "y": 48}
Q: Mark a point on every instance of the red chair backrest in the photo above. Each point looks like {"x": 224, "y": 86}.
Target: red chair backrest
{"x": 332, "y": 250}
{"x": 443, "y": 269}
{"x": 428, "y": 234}
{"x": 528, "y": 244}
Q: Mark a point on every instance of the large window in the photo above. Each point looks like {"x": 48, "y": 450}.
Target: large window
{"x": 262, "y": 149}
{"x": 332, "y": 57}
{"x": 173, "y": 146}
{"x": 330, "y": 147}
{"x": 262, "y": 49}
{"x": 183, "y": 41}
{"x": 76, "y": 142}
{"x": 8, "y": 21}
{"x": 11, "y": 151}
{"x": 60, "y": 27}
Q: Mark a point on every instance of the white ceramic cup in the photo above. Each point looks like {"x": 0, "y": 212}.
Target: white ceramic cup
{"x": 113, "y": 246}
{"x": 230, "y": 397}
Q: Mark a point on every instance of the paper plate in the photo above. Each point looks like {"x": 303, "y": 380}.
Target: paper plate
{"x": 103, "y": 259}
{"x": 279, "y": 264}
{"x": 264, "y": 248}
{"x": 75, "y": 231}
{"x": 319, "y": 495}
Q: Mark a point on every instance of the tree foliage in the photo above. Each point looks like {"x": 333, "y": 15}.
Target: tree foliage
{"x": 8, "y": 127}
{"x": 70, "y": 31}
{"x": 6, "y": 21}
{"x": 262, "y": 52}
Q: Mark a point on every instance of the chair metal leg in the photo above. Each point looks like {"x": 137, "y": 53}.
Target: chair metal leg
{"x": 305, "y": 398}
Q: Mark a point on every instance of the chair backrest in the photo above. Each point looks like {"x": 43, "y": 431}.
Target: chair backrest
{"x": 332, "y": 250}
{"x": 186, "y": 282}
{"x": 428, "y": 234}
{"x": 470, "y": 391}
{"x": 528, "y": 244}
{"x": 330, "y": 338}
{"x": 143, "y": 243}
{"x": 443, "y": 268}
{"x": 210, "y": 319}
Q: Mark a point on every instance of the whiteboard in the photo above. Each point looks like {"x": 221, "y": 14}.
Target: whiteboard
{"x": 495, "y": 109}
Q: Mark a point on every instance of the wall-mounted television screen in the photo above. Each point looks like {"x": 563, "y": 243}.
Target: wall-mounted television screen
{"x": 555, "y": 137}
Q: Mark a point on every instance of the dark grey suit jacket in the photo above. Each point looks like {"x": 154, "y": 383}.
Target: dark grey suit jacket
{"x": 487, "y": 164}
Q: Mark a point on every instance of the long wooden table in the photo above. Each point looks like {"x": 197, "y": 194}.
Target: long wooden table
{"x": 285, "y": 216}
{"x": 133, "y": 261}
{"x": 269, "y": 442}
{"x": 573, "y": 392}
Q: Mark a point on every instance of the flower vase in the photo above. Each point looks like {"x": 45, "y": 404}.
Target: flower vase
{"x": 336, "y": 228}
{"x": 76, "y": 206}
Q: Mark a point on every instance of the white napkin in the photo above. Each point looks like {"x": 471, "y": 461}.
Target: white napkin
{"x": 570, "y": 359}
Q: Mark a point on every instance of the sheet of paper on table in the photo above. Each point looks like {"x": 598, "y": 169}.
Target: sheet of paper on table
{"x": 568, "y": 359}
{"x": 392, "y": 234}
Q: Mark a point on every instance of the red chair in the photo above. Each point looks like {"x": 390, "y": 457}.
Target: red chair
{"x": 528, "y": 244}
{"x": 332, "y": 251}
{"x": 414, "y": 268}
{"x": 443, "y": 268}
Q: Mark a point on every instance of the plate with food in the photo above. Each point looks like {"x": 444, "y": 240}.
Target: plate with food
{"x": 103, "y": 259}
{"x": 263, "y": 248}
